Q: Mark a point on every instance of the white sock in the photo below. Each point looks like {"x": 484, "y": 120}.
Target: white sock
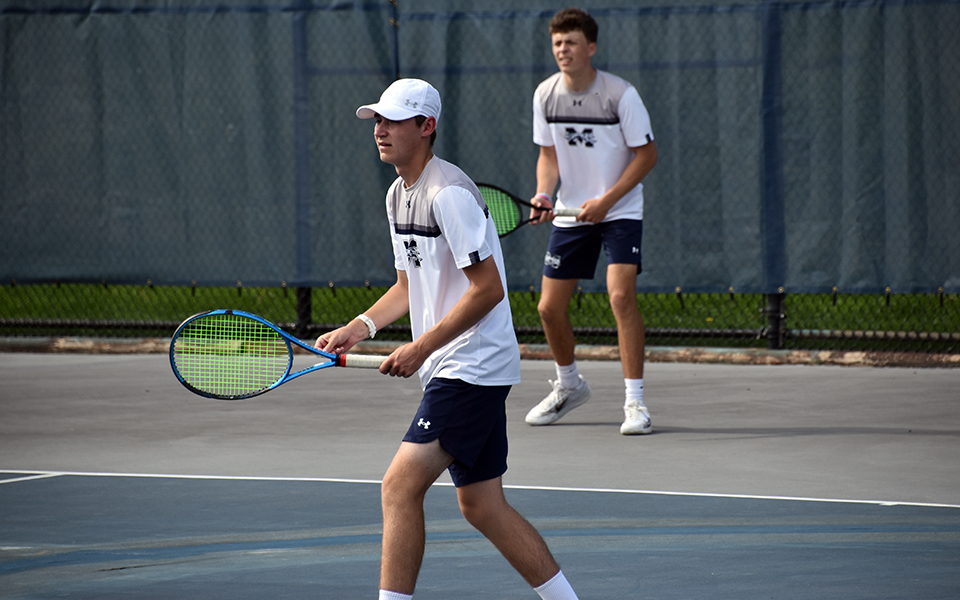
{"x": 556, "y": 589}
{"x": 568, "y": 376}
{"x": 634, "y": 391}
{"x": 385, "y": 595}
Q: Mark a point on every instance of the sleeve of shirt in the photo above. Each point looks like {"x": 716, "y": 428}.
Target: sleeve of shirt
{"x": 634, "y": 119}
{"x": 463, "y": 224}
{"x": 399, "y": 252}
{"x": 541, "y": 131}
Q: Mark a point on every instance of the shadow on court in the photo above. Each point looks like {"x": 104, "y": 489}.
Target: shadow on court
{"x": 760, "y": 482}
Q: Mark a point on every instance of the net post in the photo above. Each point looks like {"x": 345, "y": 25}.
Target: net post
{"x": 304, "y": 311}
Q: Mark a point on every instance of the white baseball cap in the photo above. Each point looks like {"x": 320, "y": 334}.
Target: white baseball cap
{"x": 405, "y": 99}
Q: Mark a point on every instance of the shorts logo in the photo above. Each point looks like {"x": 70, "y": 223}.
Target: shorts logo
{"x": 413, "y": 253}
{"x": 424, "y": 424}
{"x": 552, "y": 260}
{"x": 635, "y": 250}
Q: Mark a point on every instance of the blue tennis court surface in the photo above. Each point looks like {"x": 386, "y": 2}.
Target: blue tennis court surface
{"x": 82, "y": 536}
{"x": 760, "y": 482}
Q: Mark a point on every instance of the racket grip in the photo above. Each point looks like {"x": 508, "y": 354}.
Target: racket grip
{"x": 361, "y": 361}
{"x": 566, "y": 212}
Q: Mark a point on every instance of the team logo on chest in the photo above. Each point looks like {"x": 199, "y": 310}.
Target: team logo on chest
{"x": 586, "y": 137}
{"x": 413, "y": 253}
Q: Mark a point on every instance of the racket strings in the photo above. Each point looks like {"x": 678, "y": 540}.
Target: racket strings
{"x": 229, "y": 355}
{"x": 504, "y": 211}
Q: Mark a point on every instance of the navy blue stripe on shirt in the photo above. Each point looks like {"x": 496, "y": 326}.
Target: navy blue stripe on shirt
{"x": 413, "y": 229}
{"x": 585, "y": 120}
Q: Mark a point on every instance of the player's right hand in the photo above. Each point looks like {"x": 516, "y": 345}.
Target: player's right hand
{"x": 340, "y": 340}
{"x": 544, "y": 211}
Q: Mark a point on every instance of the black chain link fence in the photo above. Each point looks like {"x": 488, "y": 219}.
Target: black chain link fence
{"x": 894, "y": 323}
{"x": 160, "y": 159}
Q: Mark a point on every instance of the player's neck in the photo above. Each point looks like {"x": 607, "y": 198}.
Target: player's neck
{"x": 580, "y": 81}
{"x": 410, "y": 171}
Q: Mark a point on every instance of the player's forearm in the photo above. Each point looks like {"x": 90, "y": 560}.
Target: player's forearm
{"x": 644, "y": 159}
{"x": 483, "y": 295}
{"x": 392, "y": 305}
{"x": 548, "y": 171}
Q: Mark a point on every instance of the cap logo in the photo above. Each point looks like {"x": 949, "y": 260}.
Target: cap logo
{"x": 403, "y": 99}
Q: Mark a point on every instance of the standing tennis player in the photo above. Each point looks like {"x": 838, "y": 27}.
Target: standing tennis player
{"x": 595, "y": 139}
{"x": 450, "y": 278}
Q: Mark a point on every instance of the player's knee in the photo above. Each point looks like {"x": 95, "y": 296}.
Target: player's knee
{"x": 550, "y": 312}
{"x": 395, "y": 490}
{"x": 478, "y": 514}
{"x": 473, "y": 514}
{"x": 387, "y": 490}
{"x": 622, "y": 303}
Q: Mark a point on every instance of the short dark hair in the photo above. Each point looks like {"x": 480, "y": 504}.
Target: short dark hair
{"x": 574, "y": 19}
{"x": 421, "y": 119}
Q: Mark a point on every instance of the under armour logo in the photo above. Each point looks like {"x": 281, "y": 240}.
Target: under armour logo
{"x": 424, "y": 424}
{"x": 586, "y": 138}
{"x": 411, "y": 103}
{"x": 413, "y": 253}
{"x": 578, "y": 102}
{"x": 636, "y": 250}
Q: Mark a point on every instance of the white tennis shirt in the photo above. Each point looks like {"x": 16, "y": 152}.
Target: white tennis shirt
{"x": 592, "y": 132}
{"x": 439, "y": 226}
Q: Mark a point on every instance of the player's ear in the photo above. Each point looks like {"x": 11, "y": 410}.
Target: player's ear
{"x": 428, "y": 127}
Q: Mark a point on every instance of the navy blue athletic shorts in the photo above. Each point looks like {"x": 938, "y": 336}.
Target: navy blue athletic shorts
{"x": 573, "y": 251}
{"x": 471, "y": 423}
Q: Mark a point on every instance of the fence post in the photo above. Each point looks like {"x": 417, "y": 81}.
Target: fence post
{"x": 301, "y": 155}
{"x": 304, "y": 311}
{"x": 775, "y": 317}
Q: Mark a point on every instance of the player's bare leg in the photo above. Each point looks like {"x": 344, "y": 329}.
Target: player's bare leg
{"x": 621, "y": 287}
{"x": 413, "y": 470}
{"x": 485, "y": 507}
{"x": 569, "y": 389}
{"x": 622, "y": 290}
{"x": 554, "y": 301}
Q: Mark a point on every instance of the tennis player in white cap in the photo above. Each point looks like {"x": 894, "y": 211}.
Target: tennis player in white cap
{"x": 450, "y": 279}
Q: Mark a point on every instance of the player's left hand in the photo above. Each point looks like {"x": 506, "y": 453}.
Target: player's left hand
{"x": 593, "y": 211}
{"x": 404, "y": 362}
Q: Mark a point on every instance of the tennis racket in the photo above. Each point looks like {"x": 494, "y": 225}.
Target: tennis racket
{"x": 231, "y": 355}
{"x": 508, "y": 211}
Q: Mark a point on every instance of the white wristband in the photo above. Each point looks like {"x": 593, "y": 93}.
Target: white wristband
{"x": 371, "y": 327}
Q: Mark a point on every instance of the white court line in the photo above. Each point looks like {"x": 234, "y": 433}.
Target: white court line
{"x": 735, "y": 496}
{"x": 42, "y": 474}
{"x": 19, "y": 479}
{"x": 46, "y": 474}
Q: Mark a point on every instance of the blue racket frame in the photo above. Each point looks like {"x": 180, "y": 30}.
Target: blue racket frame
{"x": 332, "y": 360}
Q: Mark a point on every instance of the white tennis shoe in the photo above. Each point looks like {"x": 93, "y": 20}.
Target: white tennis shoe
{"x": 636, "y": 419}
{"x": 558, "y": 403}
